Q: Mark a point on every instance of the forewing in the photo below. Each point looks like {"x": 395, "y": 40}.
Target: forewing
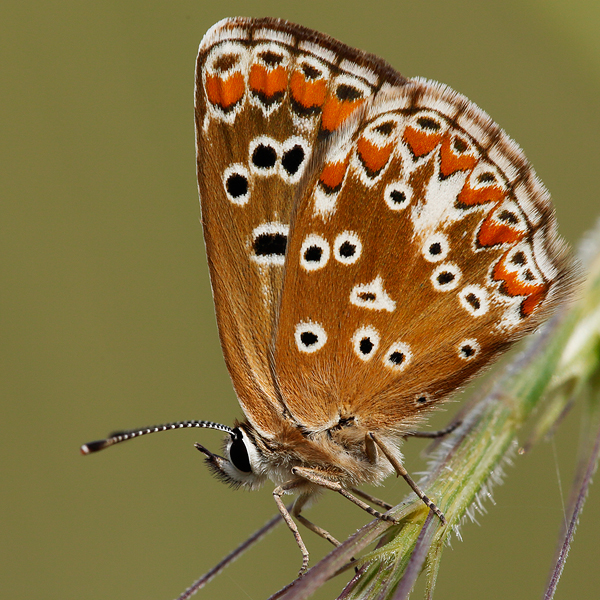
{"x": 267, "y": 94}
{"x": 435, "y": 250}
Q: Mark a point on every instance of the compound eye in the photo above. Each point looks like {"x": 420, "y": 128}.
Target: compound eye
{"x": 238, "y": 453}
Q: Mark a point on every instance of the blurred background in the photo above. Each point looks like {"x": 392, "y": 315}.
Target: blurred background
{"x": 106, "y": 312}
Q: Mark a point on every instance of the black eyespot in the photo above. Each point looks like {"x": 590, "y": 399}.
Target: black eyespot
{"x": 347, "y": 249}
{"x": 445, "y": 277}
{"x": 347, "y": 92}
{"x": 509, "y": 217}
{"x": 292, "y": 159}
{"x": 435, "y": 249}
{"x": 226, "y": 62}
{"x": 238, "y": 453}
{"x": 467, "y": 351}
{"x": 398, "y": 197}
{"x": 396, "y": 358}
{"x": 518, "y": 259}
{"x": 473, "y": 300}
{"x": 460, "y": 145}
{"x": 264, "y": 157}
{"x": 367, "y": 296}
{"x": 270, "y": 58}
{"x": 313, "y": 254}
{"x": 309, "y": 338}
{"x": 428, "y": 123}
{"x": 366, "y": 345}
{"x": 268, "y": 244}
{"x": 486, "y": 178}
{"x": 311, "y": 72}
{"x": 385, "y": 128}
{"x": 422, "y": 399}
{"x": 237, "y": 185}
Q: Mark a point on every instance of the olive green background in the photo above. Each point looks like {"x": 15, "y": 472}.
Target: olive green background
{"x": 105, "y": 304}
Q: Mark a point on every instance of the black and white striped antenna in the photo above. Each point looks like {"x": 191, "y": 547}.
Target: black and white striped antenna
{"x": 122, "y": 436}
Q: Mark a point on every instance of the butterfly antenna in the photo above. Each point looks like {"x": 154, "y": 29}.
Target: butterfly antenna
{"x": 122, "y": 436}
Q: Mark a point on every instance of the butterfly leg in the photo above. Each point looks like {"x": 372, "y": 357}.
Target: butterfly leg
{"x": 434, "y": 434}
{"x": 334, "y": 486}
{"x": 277, "y": 493}
{"x": 400, "y": 470}
{"x": 298, "y": 505}
{"x": 371, "y": 499}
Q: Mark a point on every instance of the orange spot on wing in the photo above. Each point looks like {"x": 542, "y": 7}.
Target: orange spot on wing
{"x": 473, "y": 197}
{"x": 307, "y": 93}
{"x": 267, "y": 82}
{"x": 421, "y": 143}
{"x": 492, "y": 233}
{"x": 225, "y": 92}
{"x": 373, "y": 157}
{"x": 332, "y": 175}
{"x": 534, "y": 293}
{"x": 450, "y": 162}
{"x": 533, "y": 301}
{"x": 336, "y": 111}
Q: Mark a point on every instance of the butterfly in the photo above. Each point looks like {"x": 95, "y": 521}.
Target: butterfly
{"x": 373, "y": 243}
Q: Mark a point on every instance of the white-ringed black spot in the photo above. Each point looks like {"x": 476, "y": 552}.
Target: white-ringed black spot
{"x": 385, "y": 128}
{"x": 314, "y": 252}
{"x": 420, "y": 400}
{"x": 365, "y": 342}
{"x": 397, "y": 195}
{"x": 309, "y": 336}
{"x": 347, "y": 247}
{"x": 372, "y": 296}
{"x": 428, "y": 123}
{"x": 459, "y": 145}
{"x": 225, "y": 62}
{"x": 236, "y": 181}
{"x": 518, "y": 258}
{"x": 398, "y": 356}
{"x": 446, "y": 277}
{"x": 270, "y": 58}
{"x": 348, "y": 93}
{"x": 311, "y": 72}
{"x": 468, "y": 349}
{"x": 269, "y": 243}
{"x": 436, "y": 247}
{"x": 508, "y": 217}
{"x": 486, "y": 178}
{"x": 237, "y": 185}
{"x": 366, "y": 346}
{"x": 473, "y": 299}
{"x": 292, "y": 159}
{"x": 264, "y": 156}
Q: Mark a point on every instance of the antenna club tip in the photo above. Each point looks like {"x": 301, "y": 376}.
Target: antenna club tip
{"x": 93, "y": 447}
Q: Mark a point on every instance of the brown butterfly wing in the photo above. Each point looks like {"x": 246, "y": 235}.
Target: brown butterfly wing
{"x": 436, "y": 250}
{"x": 267, "y": 92}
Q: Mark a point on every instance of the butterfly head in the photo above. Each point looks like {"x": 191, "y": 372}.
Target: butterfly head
{"x": 243, "y": 464}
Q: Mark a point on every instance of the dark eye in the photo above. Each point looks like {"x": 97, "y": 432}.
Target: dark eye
{"x": 238, "y": 454}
